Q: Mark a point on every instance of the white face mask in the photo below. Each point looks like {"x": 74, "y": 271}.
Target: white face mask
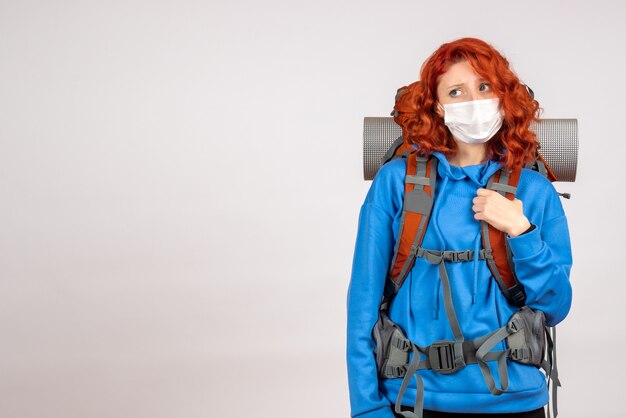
{"x": 475, "y": 121}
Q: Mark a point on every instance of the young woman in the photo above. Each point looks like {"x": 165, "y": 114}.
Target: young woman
{"x": 472, "y": 113}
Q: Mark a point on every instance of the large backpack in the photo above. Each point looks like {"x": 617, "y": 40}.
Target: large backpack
{"x": 528, "y": 339}
{"x": 418, "y": 201}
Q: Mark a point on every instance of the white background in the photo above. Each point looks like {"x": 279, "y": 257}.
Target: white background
{"x": 180, "y": 184}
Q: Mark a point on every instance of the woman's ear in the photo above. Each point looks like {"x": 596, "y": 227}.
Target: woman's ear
{"x": 439, "y": 110}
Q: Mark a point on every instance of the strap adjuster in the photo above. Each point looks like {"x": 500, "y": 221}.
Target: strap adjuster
{"x": 393, "y": 372}
{"x": 456, "y": 256}
{"x": 514, "y": 325}
{"x": 400, "y": 343}
{"x": 519, "y": 354}
{"x": 486, "y": 254}
{"x": 517, "y": 295}
{"x": 446, "y": 357}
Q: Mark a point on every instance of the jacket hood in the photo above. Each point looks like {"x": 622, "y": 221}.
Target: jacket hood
{"x": 477, "y": 173}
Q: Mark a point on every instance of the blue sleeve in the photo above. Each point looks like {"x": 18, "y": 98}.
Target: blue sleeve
{"x": 372, "y": 257}
{"x": 543, "y": 260}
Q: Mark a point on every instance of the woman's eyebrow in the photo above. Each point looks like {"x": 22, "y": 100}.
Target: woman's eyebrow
{"x": 462, "y": 84}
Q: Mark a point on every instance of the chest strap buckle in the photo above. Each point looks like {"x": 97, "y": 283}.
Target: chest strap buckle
{"x": 446, "y": 357}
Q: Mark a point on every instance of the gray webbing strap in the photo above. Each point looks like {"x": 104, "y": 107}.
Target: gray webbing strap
{"x": 419, "y": 392}
{"x": 502, "y": 181}
{"x": 417, "y": 180}
{"x": 438, "y": 257}
{"x": 502, "y": 372}
{"x": 389, "y": 155}
{"x": 448, "y": 304}
{"x": 485, "y": 348}
{"x": 541, "y": 167}
{"x": 499, "y": 187}
{"x": 555, "y": 382}
{"x": 551, "y": 370}
{"x": 433, "y": 256}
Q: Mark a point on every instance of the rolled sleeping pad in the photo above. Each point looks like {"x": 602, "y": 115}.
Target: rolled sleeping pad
{"x": 558, "y": 140}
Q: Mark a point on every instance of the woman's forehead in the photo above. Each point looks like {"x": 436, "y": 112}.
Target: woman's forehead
{"x": 458, "y": 74}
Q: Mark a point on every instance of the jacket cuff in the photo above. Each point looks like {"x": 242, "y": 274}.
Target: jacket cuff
{"x": 526, "y": 244}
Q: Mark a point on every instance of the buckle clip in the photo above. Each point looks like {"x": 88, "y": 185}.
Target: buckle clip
{"x": 514, "y": 325}
{"x": 393, "y": 372}
{"x": 400, "y": 343}
{"x": 487, "y": 254}
{"x": 519, "y": 354}
{"x": 446, "y": 357}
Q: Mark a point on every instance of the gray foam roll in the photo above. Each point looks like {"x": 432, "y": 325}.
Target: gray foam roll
{"x": 558, "y": 140}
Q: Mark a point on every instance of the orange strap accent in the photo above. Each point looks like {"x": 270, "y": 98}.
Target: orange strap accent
{"x": 412, "y": 222}
{"x": 497, "y": 237}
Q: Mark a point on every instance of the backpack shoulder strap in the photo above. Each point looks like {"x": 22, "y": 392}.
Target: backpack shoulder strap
{"x": 540, "y": 165}
{"x": 419, "y": 190}
{"x": 497, "y": 252}
{"x": 398, "y": 149}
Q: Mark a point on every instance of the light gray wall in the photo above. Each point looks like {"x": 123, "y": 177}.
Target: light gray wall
{"x": 180, "y": 184}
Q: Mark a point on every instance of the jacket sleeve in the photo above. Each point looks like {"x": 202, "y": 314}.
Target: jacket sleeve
{"x": 372, "y": 256}
{"x": 543, "y": 260}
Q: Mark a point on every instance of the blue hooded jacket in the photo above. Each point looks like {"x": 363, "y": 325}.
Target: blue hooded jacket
{"x": 542, "y": 260}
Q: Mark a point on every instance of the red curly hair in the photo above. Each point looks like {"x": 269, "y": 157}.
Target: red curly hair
{"x": 513, "y": 145}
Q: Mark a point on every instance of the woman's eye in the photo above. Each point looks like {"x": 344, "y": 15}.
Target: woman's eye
{"x": 487, "y": 85}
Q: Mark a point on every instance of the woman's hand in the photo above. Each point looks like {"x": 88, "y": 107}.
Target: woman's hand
{"x": 503, "y": 214}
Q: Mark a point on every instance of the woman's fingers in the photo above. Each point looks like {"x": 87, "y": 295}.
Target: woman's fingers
{"x": 495, "y": 209}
